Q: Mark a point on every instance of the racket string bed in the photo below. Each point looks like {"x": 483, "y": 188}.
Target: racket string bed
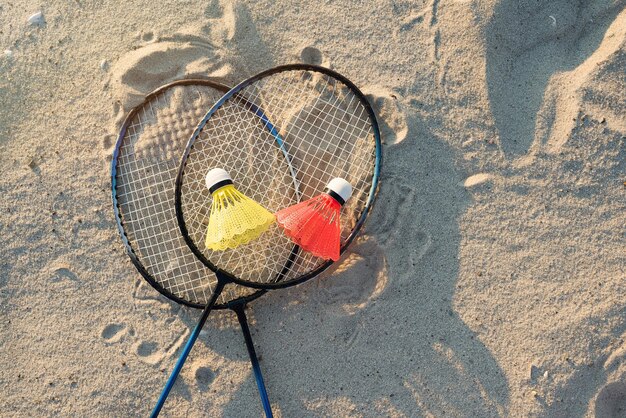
{"x": 325, "y": 132}
{"x": 146, "y": 167}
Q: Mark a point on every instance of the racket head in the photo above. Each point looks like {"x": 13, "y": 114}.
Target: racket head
{"x": 143, "y": 170}
{"x": 288, "y": 131}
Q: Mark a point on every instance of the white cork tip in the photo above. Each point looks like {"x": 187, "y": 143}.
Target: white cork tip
{"x": 341, "y": 187}
{"x": 216, "y": 175}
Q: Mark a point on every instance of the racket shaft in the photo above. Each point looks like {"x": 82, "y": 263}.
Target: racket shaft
{"x": 188, "y": 346}
{"x": 243, "y": 321}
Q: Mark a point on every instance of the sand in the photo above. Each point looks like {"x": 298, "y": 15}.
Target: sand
{"x": 489, "y": 281}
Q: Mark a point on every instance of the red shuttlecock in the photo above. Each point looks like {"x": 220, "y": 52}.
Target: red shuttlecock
{"x": 314, "y": 224}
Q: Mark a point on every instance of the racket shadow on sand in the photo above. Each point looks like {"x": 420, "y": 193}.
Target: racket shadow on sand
{"x": 537, "y": 58}
{"x": 433, "y": 362}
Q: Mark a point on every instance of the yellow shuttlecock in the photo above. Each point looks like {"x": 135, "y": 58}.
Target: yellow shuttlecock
{"x": 235, "y": 219}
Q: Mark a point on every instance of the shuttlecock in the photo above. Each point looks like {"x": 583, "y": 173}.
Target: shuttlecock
{"x": 235, "y": 219}
{"x": 314, "y": 224}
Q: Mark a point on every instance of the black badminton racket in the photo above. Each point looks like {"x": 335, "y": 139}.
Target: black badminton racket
{"x": 144, "y": 166}
{"x": 296, "y": 121}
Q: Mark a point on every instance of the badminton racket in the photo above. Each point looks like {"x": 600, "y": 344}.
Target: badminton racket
{"x": 144, "y": 166}
{"x": 282, "y": 135}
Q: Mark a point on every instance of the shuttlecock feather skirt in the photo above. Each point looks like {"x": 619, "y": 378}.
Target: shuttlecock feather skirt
{"x": 314, "y": 225}
{"x": 235, "y": 219}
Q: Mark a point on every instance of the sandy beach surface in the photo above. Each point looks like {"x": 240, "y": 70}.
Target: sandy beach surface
{"x": 490, "y": 280}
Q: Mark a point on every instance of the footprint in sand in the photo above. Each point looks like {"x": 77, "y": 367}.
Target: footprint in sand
{"x": 216, "y": 374}
{"x": 144, "y": 294}
{"x": 147, "y": 36}
{"x": 397, "y": 201}
{"x": 113, "y": 333}
{"x": 215, "y": 48}
{"x": 151, "y": 353}
{"x": 390, "y": 114}
{"x": 611, "y": 401}
{"x": 356, "y": 280}
{"x": 143, "y": 70}
{"x": 207, "y": 49}
{"x": 63, "y": 273}
{"x": 108, "y": 141}
{"x": 146, "y": 349}
{"x": 204, "y": 375}
{"x": 311, "y": 55}
{"x": 386, "y": 103}
{"x": 148, "y": 352}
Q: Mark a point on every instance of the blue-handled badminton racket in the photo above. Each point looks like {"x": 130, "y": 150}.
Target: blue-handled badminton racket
{"x": 144, "y": 166}
{"x": 296, "y": 121}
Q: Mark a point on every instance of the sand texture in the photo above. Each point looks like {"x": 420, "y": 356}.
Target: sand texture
{"x": 489, "y": 281}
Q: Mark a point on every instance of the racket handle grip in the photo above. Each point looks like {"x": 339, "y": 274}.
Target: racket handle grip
{"x": 258, "y": 376}
{"x": 186, "y": 350}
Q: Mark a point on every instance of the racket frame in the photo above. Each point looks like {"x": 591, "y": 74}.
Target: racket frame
{"x": 118, "y": 215}
{"x": 227, "y": 276}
